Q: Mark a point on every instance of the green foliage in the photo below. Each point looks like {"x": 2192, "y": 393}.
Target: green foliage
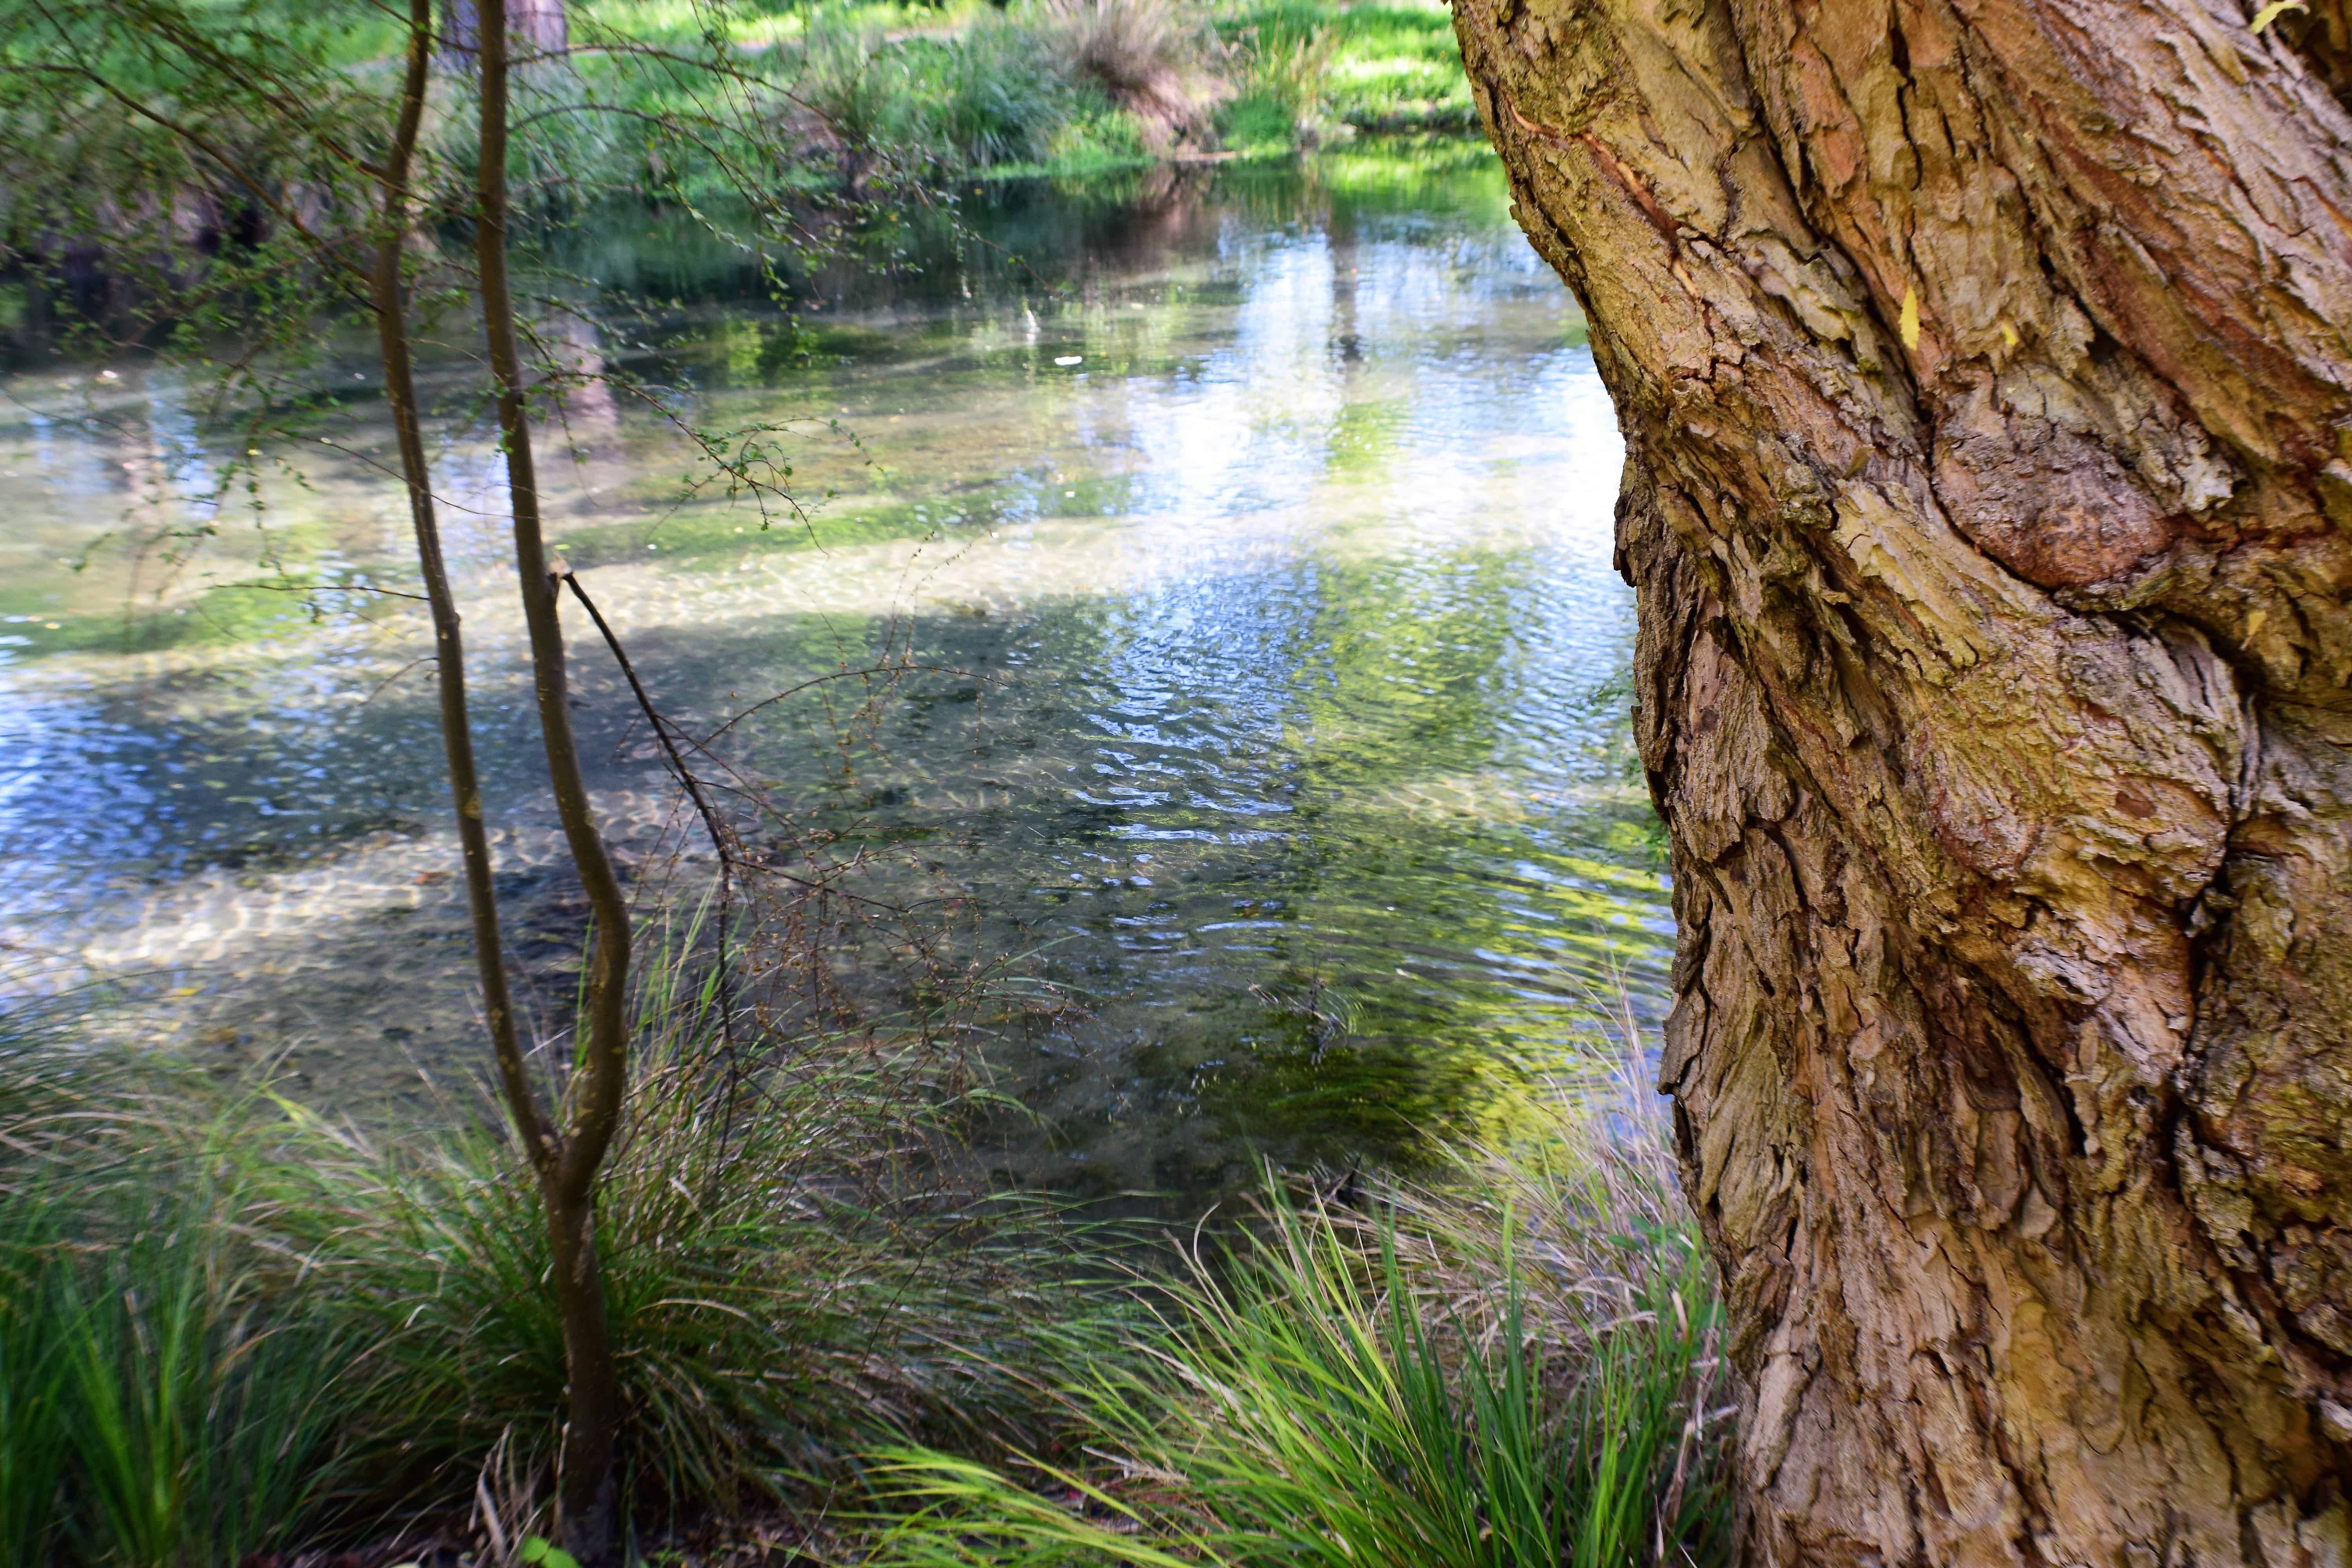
{"x": 783, "y": 109}
{"x": 1465, "y": 1379}
{"x": 204, "y": 1422}
{"x": 1064, "y": 87}
{"x": 35, "y": 1412}
{"x": 852, "y": 81}
{"x": 1334, "y": 69}
{"x": 537, "y": 1550}
{"x": 983, "y": 99}
{"x": 231, "y": 1323}
{"x": 1284, "y": 59}
{"x": 164, "y": 1408}
{"x": 1259, "y": 121}
{"x": 767, "y": 1308}
{"x": 225, "y": 1327}
{"x": 1398, "y": 67}
{"x": 1090, "y": 142}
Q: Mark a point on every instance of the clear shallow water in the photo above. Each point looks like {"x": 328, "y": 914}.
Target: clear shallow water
{"x": 1274, "y": 692}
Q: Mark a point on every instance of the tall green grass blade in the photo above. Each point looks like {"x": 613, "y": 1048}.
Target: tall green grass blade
{"x": 202, "y": 1429}
{"x": 34, "y": 1421}
{"x": 1506, "y": 1373}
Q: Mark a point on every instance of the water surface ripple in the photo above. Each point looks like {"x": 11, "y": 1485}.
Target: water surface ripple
{"x": 1266, "y": 514}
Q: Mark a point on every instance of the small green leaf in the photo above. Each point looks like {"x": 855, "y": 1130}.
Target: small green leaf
{"x": 538, "y": 1550}
{"x": 2274, "y": 10}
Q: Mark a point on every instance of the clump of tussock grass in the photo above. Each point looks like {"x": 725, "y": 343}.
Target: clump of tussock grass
{"x": 1145, "y": 56}
{"x": 852, "y": 84}
{"x": 982, "y": 100}
{"x": 259, "y": 1327}
{"x": 1515, "y": 1365}
{"x": 789, "y": 1274}
{"x": 162, "y": 1405}
{"x": 1280, "y": 69}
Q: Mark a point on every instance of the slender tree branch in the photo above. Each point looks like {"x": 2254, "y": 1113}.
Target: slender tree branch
{"x": 693, "y": 786}
{"x": 568, "y": 1180}
{"x": 457, "y": 730}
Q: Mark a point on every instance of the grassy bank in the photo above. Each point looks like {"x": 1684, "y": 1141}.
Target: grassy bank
{"x": 1072, "y": 87}
{"x": 229, "y": 1328}
{"x": 885, "y": 94}
{"x": 186, "y": 189}
{"x": 769, "y": 101}
{"x": 1320, "y": 71}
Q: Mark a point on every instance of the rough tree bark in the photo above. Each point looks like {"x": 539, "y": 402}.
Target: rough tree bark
{"x": 1984, "y": 370}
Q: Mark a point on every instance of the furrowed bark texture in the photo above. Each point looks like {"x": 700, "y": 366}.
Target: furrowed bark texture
{"x": 1984, "y": 370}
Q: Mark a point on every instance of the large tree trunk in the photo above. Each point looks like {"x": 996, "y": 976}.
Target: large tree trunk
{"x": 1983, "y": 368}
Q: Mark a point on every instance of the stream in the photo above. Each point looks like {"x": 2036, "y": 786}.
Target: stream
{"x": 1245, "y": 533}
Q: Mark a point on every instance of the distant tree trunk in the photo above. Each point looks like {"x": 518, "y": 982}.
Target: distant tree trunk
{"x": 539, "y": 28}
{"x": 1985, "y": 377}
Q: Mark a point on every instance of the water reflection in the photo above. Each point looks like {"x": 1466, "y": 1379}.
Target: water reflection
{"x": 1270, "y": 510}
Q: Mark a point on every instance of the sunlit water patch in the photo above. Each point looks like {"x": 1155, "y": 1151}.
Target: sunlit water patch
{"x": 1263, "y": 523}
